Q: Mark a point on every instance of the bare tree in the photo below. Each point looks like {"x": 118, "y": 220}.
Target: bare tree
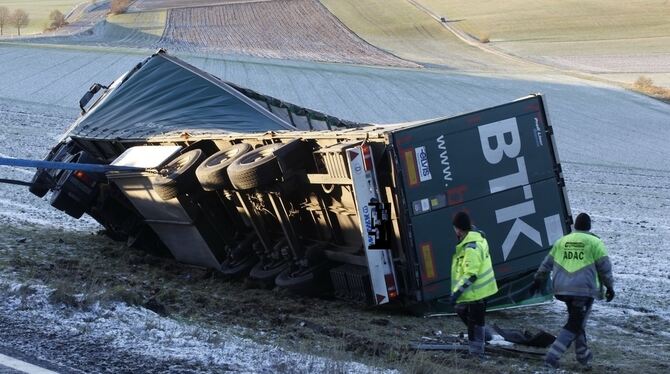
{"x": 57, "y": 19}
{"x": 19, "y": 19}
{"x": 4, "y": 18}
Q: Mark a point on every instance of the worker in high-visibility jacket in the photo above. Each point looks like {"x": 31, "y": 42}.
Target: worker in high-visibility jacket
{"x": 472, "y": 280}
{"x": 581, "y": 267}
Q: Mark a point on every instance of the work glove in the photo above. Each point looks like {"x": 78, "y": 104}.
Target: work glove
{"x": 609, "y": 294}
{"x": 453, "y": 298}
{"x": 535, "y": 287}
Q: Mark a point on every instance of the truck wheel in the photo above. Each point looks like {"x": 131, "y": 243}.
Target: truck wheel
{"x": 44, "y": 179}
{"x": 212, "y": 173}
{"x": 40, "y": 183}
{"x": 305, "y": 280}
{"x": 291, "y": 278}
{"x": 178, "y": 176}
{"x": 61, "y": 200}
{"x": 267, "y": 271}
{"x": 74, "y": 201}
{"x": 241, "y": 258}
{"x": 255, "y": 169}
{"x": 237, "y": 268}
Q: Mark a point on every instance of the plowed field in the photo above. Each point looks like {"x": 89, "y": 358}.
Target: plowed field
{"x": 144, "y": 5}
{"x": 285, "y": 29}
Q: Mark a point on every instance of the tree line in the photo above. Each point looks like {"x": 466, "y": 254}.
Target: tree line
{"x": 19, "y": 18}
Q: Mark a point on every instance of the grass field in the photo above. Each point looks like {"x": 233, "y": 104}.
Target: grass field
{"x": 617, "y": 40}
{"x": 152, "y": 23}
{"x": 38, "y": 11}
{"x": 561, "y": 21}
{"x": 401, "y": 28}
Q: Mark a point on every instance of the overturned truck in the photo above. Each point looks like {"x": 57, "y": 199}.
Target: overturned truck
{"x": 237, "y": 181}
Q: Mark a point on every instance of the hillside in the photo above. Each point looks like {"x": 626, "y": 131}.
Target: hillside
{"x": 285, "y": 29}
{"x": 403, "y": 29}
{"x": 618, "y": 40}
{"x": 280, "y": 29}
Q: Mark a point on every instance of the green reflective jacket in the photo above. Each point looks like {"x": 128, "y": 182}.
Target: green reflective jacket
{"x": 472, "y": 258}
{"x": 580, "y": 264}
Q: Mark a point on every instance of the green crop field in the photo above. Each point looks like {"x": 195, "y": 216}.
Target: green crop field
{"x": 617, "y": 40}
{"x": 401, "y": 28}
{"x": 38, "y": 11}
{"x": 152, "y": 23}
{"x": 617, "y": 26}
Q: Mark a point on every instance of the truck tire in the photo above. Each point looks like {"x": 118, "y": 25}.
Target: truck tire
{"x": 236, "y": 268}
{"x": 299, "y": 279}
{"x": 313, "y": 278}
{"x": 44, "y": 179}
{"x": 178, "y": 176}
{"x": 40, "y": 183}
{"x": 312, "y": 281}
{"x": 212, "y": 173}
{"x": 74, "y": 201}
{"x": 256, "y": 168}
{"x": 267, "y": 271}
{"x": 64, "y": 202}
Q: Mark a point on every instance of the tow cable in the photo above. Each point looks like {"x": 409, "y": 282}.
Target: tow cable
{"x": 40, "y": 164}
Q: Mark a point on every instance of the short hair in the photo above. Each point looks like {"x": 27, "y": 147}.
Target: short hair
{"x": 583, "y": 222}
{"x": 462, "y": 221}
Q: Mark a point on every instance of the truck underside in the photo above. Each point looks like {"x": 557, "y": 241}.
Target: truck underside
{"x": 255, "y": 187}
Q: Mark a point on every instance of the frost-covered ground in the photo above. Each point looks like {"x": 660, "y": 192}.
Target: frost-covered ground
{"x": 121, "y": 338}
{"x": 29, "y": 130}
{"x": 613, "y": 145}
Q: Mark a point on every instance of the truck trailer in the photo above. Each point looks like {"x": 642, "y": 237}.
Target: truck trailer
{"x": 230, "y": 179}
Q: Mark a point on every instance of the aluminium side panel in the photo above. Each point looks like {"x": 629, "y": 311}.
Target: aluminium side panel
{"x": 365, "y": 188}
{"x": 497, "y": 164}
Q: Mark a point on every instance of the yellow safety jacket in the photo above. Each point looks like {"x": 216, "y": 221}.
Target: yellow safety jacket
{"x": 472, "y": 258}
{"x": 580, "y": 265}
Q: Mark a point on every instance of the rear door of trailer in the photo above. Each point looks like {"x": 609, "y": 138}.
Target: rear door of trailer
{"x": 500, "y": 165}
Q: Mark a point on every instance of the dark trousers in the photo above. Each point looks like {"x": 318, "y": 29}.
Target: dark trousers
{"x": 579, "y": 308}
{"x": 472, "y": 314}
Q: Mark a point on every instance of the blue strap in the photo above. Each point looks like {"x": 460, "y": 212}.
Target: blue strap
{"x": 91, "y": 168}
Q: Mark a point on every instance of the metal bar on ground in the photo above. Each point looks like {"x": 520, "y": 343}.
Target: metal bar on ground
{"x": 91, "y": 168}
{"x": 440, "y": 347}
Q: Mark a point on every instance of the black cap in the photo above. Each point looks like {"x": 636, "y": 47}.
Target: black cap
{"x": 583, "y": 222}
{"x": 462, "y": 221}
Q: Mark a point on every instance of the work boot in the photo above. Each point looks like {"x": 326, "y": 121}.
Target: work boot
{"x": 476, "y": 347}
{"x": 582, "y": 351}
{"x": 560, "y": 345}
